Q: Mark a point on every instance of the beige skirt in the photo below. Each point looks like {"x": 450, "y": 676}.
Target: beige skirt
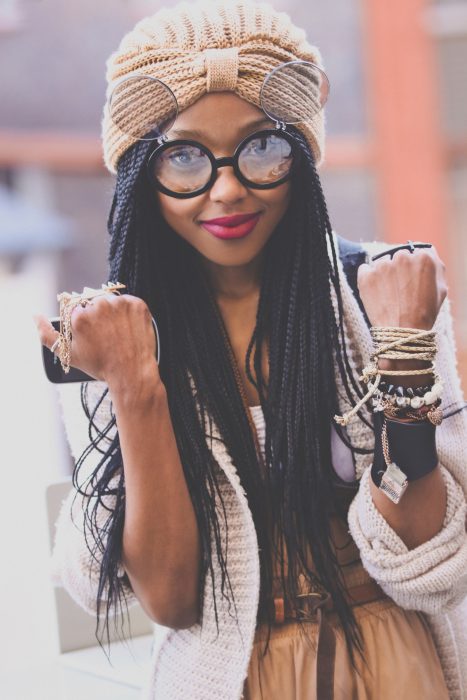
{"x": 401, "y": 659}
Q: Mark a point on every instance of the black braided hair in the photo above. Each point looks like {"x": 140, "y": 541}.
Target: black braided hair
{"x": 306, "y": 337}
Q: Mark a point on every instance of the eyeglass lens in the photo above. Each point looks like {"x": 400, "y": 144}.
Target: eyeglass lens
{"x": 184, "y": 168}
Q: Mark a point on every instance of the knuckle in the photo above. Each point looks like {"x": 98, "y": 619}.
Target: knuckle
{"x": 122, "y": 300}
{"x": 108, "y": 303}
{"x": 78, "y": 318}
{"x": 140, "y": 306}
{"x": 110, "y": 298}
{"x": 383, "y": 265}
{"x": 428, "y": 260}
{"x": 137, "y": 302}
{"x": 425, "y": 254}
{"x": 402, "y": 256}
{"x": 130, "y": 304}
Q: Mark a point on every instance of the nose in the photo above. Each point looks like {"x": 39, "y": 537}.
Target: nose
{"x": 227, "y": 187}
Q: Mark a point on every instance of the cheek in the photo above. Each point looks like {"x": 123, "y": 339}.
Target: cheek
{"x": 277, "y": 200}
{"x": 177, "y": 212}
{"x": 287, "y": 195}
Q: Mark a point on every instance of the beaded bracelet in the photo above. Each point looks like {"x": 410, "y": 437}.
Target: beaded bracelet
{"x": 409, "y": 397}
{"x": 408, "y": 408}
{"x": 403, "y": 450}
{"x": 410, "y": 391}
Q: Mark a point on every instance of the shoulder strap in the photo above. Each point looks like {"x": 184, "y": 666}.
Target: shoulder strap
{"x": 352, "y": 255}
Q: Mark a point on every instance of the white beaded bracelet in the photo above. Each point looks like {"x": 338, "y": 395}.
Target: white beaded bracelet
{"x": 428, "y": 398}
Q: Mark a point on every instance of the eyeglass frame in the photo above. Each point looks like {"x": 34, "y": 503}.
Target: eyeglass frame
{"x": 216, "y": 163}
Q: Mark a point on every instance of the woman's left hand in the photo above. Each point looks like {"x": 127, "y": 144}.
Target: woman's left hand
{"x": 406, "y": 291}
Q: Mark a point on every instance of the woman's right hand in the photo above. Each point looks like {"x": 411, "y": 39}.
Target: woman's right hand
{"x": 112, "y": 338}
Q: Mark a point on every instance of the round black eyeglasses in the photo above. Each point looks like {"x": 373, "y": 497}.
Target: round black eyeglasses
{"x": 184, "y": 168}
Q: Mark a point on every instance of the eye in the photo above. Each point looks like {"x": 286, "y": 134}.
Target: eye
{"x": 182, "y": 156}
{"x": 266, "y": 145}
{"x": 258, "y": 145}
{"x": 185, "y": 155}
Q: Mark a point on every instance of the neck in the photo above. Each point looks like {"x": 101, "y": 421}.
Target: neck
{"x": 234, "y": 284}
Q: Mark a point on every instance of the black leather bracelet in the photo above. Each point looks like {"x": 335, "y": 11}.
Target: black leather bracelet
{"x": 412, "y": 447}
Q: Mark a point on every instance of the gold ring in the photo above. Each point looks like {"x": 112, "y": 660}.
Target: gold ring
{"x": 56, "y": 343}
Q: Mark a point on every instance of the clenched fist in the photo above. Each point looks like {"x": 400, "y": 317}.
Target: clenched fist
{"x": 406, "y": 291}
{"x": 112, "y": 337}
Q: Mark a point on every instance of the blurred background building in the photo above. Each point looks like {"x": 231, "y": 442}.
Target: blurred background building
{"x": 396, "y": 168}
{"x": 397, "y": 120}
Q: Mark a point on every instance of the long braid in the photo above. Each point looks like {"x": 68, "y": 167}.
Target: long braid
{"x": 294, "y": 493}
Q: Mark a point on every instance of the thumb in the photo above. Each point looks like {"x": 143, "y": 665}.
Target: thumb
{"x": 47, "y": 333}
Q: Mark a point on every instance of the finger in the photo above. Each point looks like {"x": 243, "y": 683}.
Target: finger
{"x": 403, "y": 253}
{"x": 362, "y": 270}
{"x": 427, "y": 260}
{"x": 89, "y": 306}
{"x": 47, "y": 333}
{"x": 382, "y": 265}
{"x": 434, "y": 254}
{"x": 425, "y": 253}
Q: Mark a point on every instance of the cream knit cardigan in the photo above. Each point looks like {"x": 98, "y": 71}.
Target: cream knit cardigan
{"x": 192, "y": 663}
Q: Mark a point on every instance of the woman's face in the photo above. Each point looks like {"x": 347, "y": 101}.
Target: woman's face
{"x": 220, "y": 121}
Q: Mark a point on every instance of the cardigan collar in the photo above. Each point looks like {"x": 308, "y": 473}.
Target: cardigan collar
{"x": 195, "y": 662}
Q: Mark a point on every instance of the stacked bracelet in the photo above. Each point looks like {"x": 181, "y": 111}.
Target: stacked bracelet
{"x": 393, "y": 344}
{"x": 414, "y": 403}
{"x": 405, "y": 418}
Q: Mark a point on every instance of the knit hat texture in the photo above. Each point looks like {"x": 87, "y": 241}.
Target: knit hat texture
{"x": 201, "y": 47}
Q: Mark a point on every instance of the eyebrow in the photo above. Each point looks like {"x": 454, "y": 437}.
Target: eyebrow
{"x": 188, "y": 133}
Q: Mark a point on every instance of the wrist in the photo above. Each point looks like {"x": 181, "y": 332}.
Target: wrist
{"x": 412, "y": 447}
{"x": 135, "y": 388}
{"x": 405, "y": 365}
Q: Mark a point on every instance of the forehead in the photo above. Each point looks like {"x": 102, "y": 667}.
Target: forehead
{"x": 220, "y": 115}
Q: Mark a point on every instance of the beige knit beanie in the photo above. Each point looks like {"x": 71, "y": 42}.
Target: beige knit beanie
{"x": 201, "y": 47}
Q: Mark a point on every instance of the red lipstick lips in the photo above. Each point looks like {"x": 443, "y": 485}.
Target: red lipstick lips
{"x": 231, "y": 220}
{"x": 236, "y": 226}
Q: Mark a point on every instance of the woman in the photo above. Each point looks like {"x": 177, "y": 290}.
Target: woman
{"x": 217, "y": 486}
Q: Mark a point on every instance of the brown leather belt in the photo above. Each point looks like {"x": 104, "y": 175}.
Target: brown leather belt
{"x": 312, "y": 607}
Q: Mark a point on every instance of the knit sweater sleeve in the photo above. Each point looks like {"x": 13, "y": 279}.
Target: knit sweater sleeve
{"x": 72, "y": 564}
{"x": 433, "y": 576}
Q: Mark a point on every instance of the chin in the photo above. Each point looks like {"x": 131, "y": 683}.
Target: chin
{"x": 234, "y": 258}
{"x": 230, "y": 261}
